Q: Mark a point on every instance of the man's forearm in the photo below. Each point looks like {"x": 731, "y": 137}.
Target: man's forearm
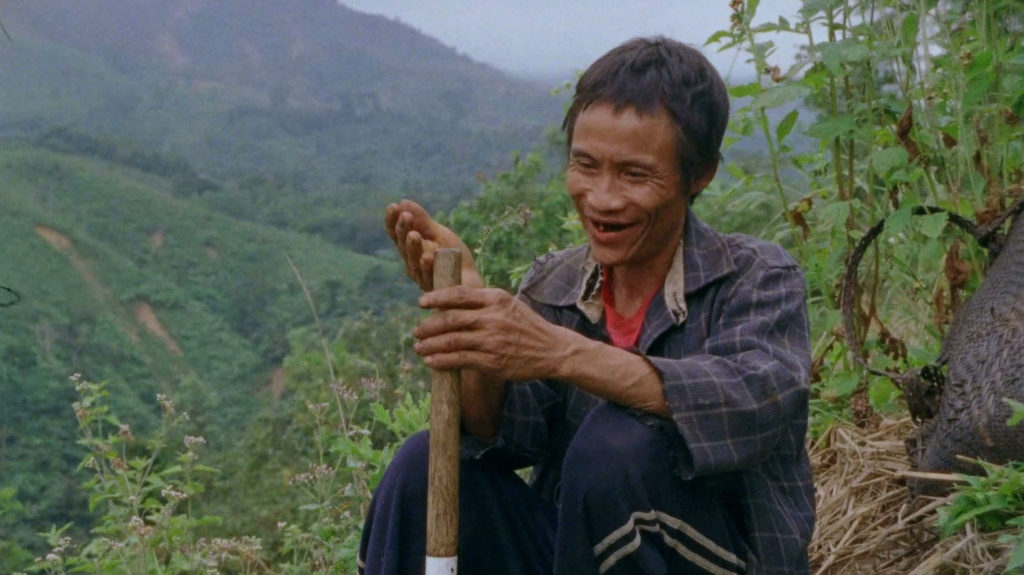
{"x": 614, "y": 374}
{"x": 596, "y": 368}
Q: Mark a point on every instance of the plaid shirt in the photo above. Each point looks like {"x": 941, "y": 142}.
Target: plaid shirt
{"x": 734, "y": 356}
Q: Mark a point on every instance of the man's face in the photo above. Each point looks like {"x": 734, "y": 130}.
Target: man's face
{"x": 624, "y": 179}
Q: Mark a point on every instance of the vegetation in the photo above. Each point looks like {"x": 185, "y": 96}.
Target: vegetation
{"x": 291, "y": 356}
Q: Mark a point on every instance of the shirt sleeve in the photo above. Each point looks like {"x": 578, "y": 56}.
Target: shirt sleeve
{"x": 527, "y": 419}
{"x": 735, "y": 399}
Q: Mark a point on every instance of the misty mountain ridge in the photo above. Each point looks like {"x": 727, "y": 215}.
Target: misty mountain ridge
{"x": 334, "y": 111}
{"x": 301, "y": 52}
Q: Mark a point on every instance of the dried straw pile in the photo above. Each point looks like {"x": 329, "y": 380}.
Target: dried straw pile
{"x": 868, "y": 524}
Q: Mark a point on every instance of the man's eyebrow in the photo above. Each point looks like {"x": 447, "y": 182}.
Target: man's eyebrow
{"x": 638, "y": 163}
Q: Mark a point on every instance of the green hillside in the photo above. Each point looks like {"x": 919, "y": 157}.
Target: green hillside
{"x": 124, "y": 283}
{"x": 324, "y": 105}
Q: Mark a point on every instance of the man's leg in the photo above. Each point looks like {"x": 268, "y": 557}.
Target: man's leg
{"x": 504, "y": 527}
{"x": 624, "y": 511}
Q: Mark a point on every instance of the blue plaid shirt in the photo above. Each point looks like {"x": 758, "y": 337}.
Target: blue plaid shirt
{"x": 733, "y": 352}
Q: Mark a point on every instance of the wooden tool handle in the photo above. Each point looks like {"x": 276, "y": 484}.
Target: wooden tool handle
{"x": 443, "y": 481}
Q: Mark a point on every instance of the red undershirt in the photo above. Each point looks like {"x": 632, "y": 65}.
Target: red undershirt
{"x": 624, "y": 331}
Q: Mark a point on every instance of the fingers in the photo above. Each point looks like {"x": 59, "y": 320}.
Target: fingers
{"x": 465, "y": 297}
{"x": 460, "y": 360}
{"x": 408, "y": 225}
{"x": 446, "y": 322}
{"x": 451, "y": 342}
{"x": 417, "y": 236}
{"x": 418, "y": 266}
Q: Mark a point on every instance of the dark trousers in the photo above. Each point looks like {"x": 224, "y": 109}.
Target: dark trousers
{"x": 621, "y": 510}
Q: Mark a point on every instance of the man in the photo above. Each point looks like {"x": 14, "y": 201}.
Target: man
{"x": 656, "y": 378}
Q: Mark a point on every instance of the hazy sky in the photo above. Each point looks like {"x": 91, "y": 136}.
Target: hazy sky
{"x": 553, "y": 38}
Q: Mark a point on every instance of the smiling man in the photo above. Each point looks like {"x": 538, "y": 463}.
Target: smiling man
{"x": 655, "y": 378}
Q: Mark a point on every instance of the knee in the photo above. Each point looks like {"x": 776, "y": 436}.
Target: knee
{"x": 612, "y": 445}
{"x": 407, "y": 471}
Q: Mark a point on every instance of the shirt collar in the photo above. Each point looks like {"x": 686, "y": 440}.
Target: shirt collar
{"x": 700, "y": 258}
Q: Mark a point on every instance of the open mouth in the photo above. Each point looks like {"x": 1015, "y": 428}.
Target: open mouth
{"x": 606, "y": 227}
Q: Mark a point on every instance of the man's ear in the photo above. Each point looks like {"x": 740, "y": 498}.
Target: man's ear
{"x": 698, "y": 184}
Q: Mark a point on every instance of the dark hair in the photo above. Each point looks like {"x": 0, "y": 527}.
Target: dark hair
{"x": 645, "y": 73}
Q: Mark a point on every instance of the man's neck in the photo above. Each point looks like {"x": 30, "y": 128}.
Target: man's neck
{"x": 631, "y": 288}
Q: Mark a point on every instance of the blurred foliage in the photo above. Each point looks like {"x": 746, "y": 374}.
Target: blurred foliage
{"x": 520, "y": 214}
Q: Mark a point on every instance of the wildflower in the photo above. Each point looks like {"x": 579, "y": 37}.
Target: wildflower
{"x": 281, "y": 525}
{"x": 316, "y": 472}
{"x": 316, "y": 409}
{"x": 139, "y": 526}
{"x": 736, "y": 18}
{"x": 62, "y": 544}
{"x": 405, "y": 366}
{"x": 194, "y": 441}
{"x": 166, "y": 405}
{"x": 119, "y": 464}
{"x": 170, "y": 494}
{"x": 80, "y": 384}
{"x": 372, "y": 385}
{"x": 345, "y": 394}
{"x": 81, "y": 411}
{"x": 124, "y": 431}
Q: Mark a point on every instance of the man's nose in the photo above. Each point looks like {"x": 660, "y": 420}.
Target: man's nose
{"x": 605, "y": 194}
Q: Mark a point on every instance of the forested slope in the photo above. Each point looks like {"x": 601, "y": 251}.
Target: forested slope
{"x": 314, "y": 112}
{"x": 150, "y": 293}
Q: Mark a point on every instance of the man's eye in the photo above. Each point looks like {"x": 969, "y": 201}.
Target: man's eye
{"x": 584, "y": 165}
{"x": 636, "y": 174}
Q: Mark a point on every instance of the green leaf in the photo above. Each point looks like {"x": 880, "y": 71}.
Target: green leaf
{"x": 812, "y": 7}
{"x": 932, "y": 225}
{"x": 855, "y": 53}
{"x": 1016, "y": 557}
{"x": 778, "y": 95}
{"x": 832, "y": 57}
{"x": 977, "y": 88}
{"x": 752, "y": 8}
{"x": 909, "y": 30}
{"x": 844, "y": 384}
{"x": 980, "y": 63}
{"x": 887, "y": 159}
{"x": 836, "y": 213}
{"x": 882, "y": 393}
{"x": 745, "y": 90}
{"x": 1018, "y": 411}
{"x": 786, "y": 125}
{"x": 832, "y": 127}
{"x": 899, "y": 219}
{"x": 717, "y": 36}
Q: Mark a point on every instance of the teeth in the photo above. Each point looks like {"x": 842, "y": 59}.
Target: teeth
{"x": 608, "y": 227}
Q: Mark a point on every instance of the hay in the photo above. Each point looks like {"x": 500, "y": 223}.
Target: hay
{"x": 867, "y": 522}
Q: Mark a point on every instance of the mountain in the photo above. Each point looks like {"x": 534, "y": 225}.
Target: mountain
{"x": 126, "y": 284}
{"x": 335, "y": 108}
{"x": 163, "y": 164}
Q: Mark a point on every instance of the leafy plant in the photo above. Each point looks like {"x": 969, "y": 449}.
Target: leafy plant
{"x": 906, "y": 104}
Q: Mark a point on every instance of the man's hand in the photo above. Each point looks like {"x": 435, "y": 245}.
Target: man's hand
{"x": 496, "y": 335}
{"x": 417, "y": 236}
{"x": 490, "y": 331}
